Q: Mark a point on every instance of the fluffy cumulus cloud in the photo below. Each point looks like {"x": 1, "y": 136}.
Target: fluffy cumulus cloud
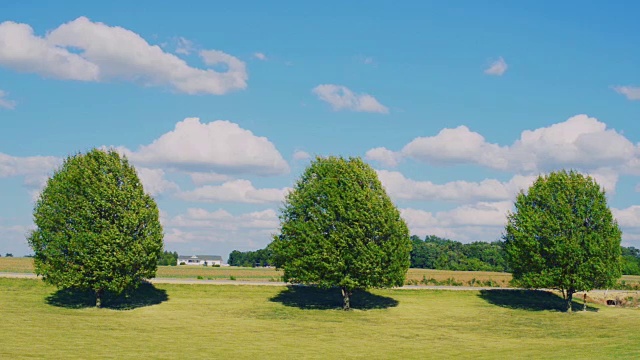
{"x": 401, "y": 188}
{"x": 341, "y": 98}
{"x": 497, "y": 67}
{"x": 5, "y": 102}
{"x": 630, "y": 92}
{"x": 384, "y": 156}
{"x": 629, "y": 221}
{"x": 482, "y": 221}
{"x": 580, "y": 142}
{"x": 301, "y": 155}
{"x": 260, "y": 56}
{"x": 239, "y": 190}
{"x": 92, "y": 51}
{"x": 201, "y": 178}
{"x": 31, "y": 166}
{"x": 35, "y": 170}
{"x": 455, "y": 146}
{"x": 154, "y": 181}
{"x": 201, "y": 230}
{"x": 220, "y": 147}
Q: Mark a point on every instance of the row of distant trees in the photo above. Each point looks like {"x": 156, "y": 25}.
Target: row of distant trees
{"x": 256, "y": 258}
{"x": 434, "y": 252}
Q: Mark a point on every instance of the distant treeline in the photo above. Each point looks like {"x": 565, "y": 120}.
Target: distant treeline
{"x": 168, "y": 258}
{"x": 256, "y": 258}
{"x": 630, "y": 261}
{"x": 443, "y": 254}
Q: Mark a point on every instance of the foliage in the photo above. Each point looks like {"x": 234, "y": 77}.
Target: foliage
{"x": 339, "y": 228}
{"x": 630, "y": 261}
{"x": 258, "y": 258}
{"x": 168, "y": 258}
{"x": 444, "y": 254}
{"x": 8, "y": 255}
{"x": 562, "y": 235}
{"x": 96, "y": 229}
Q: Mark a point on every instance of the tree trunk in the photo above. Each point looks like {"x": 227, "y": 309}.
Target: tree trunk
{"x": 99, "y": 298}
{"x": 345, "y": 297}
{"x": 584, "y": 304}
{"x": 569, "y": 300}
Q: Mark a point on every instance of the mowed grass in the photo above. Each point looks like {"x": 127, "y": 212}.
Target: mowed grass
{"x": 250, "y": 322}
{"x": 414, "y": 276}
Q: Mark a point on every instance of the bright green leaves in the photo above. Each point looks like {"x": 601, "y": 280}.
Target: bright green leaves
{"x": 562, "y": 235}
{"x": 96, "y": 228}
{"x": 339, "y": 228}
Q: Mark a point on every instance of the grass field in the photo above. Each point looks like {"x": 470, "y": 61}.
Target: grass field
{"x": 414, "y": 276}
{"x": 251, "y": 322}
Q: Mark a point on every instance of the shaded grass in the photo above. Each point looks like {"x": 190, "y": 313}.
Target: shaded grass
{"x": 308, "y": 297}
{"x": 241, "y": 322}
{"x": 530, "y": 300}
{"x": 145, "y": 295}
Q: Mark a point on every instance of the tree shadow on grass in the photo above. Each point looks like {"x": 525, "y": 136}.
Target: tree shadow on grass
{"x": 310, "y": 297}
{"x": 531, "y": 300}
{"x": 145, "y": 295}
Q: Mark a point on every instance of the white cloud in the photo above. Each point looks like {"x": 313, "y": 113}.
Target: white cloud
{"x": 27, "y": 166}
{"x": 629, "y": 217}
{"x": 219, "y": 146}
{"x": 630, "y": 92}
{"x": 301, "y": 155}
{"x": 456, "y": 146}
{"x": 497, "y": 68}
{"x": 34, "y": 169}
{"x": 6, "y": 103}
{"x": 184, "y": 46}
{"x": 92, "y": 51}
{"x": 483, "y": 221}
{"x": 239, "y": 190}
{"x": 221, "y": 230}
{"x": 154, "y": 182}
{"x": 341, "y": 98}
{"x": 384, "y": 156}
{"x": 580, "y": 142}
{"x": 400, "y": 188}
{"x": 260, "y": 56}
{"x": 368, "y": 60}
{"x": 200, "y": 178}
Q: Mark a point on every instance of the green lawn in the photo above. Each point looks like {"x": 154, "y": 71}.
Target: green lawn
{"x": 251, "y": 322}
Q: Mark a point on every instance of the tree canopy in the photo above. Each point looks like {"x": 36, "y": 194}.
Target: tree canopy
{"x": 562, "y": 235}
{"x": 96, "y": 229}
{"x": 340, "y": 229}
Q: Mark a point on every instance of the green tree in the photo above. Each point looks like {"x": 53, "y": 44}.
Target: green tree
{"x": 339, "y": 228}
{"x": 562, "y": 235}
{"x": 96, "y": 229}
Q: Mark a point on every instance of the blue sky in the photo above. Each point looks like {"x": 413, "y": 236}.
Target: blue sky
{"x": 221, "y": 105}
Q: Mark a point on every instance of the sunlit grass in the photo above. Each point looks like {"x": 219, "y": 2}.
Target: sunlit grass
{"x": 249, "y": 322}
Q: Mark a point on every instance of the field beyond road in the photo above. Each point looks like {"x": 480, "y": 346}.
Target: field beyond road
{"x": 251, "y": 322}
{"x": 414, "y": 276}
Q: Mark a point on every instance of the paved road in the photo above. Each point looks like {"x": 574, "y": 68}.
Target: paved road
{"x": 270, "y": 283}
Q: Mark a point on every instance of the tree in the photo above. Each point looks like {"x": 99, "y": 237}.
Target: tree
{"x": 96, "y": 229}
{"x": 562, "y": 235}
{"x": 168, "y": 258}
{"x": 340, "y": 229}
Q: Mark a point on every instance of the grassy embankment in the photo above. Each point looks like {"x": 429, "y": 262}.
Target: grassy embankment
{"x": 414, "y": 276}
{"x": 252, "y": 322}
